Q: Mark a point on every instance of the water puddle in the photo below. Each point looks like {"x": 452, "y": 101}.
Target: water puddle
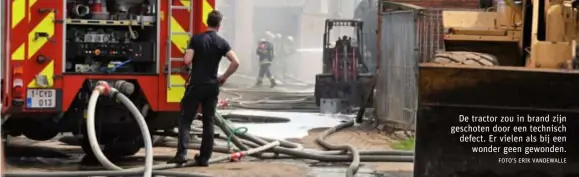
{"x": 297, "y": 127}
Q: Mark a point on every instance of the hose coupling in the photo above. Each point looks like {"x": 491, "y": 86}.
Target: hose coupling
{"x": 222, "y": 104}
{"x": 236, "y": 156}
{"x": 124, "y": 87}
{"x": 103, "y": 87}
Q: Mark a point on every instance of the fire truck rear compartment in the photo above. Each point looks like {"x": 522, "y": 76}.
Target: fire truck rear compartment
{"x": 96, "y": 49}
{"x": 102, "y": 46}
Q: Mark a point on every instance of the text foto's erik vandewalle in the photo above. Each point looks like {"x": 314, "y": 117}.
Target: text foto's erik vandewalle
{"x": 518, "y": 138}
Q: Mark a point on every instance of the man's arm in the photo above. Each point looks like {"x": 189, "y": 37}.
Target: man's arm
{"x": 188, "y": 58}
{"x": 233, "y": 63}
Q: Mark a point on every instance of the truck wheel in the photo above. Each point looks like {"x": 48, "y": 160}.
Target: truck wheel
{"x": 465, "y": 58}
{"x": 41, "y": 131}
{"x": 109, "y": 150}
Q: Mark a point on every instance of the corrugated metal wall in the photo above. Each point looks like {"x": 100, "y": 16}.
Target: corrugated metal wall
{"x": 406, "y": 38}
{"x": 430, "y": 33}
{"x": 396, "y": 90}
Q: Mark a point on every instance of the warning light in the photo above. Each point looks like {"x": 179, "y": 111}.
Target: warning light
{"x": 97, "y": 52}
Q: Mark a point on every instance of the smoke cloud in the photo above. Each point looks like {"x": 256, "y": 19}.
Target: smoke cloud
{"x": 296, "y": 22}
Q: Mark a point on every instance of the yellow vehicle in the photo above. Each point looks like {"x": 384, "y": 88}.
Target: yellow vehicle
{"x": 513, "y": 61}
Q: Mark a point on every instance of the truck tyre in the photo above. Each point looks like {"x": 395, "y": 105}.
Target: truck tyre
{"x": 465, "y": 58}
{"x": 41, "y": 130}
{"x": 109, "y": 150}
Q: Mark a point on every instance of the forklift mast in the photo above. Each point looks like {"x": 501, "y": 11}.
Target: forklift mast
{"x": 333, "y": 50}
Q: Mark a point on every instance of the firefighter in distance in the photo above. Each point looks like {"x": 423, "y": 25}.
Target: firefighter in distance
{"x": 265, "y": 54}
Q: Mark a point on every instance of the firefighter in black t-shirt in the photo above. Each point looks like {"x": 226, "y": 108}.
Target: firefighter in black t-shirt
{"x": 203, "y": 54}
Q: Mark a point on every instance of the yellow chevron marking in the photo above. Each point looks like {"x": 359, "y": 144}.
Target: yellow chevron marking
{"x": 19, "y": 53}
{"x": 30, "y": 4}
{"x": 206, "y": 9}
{"x": 45, "y": 26}
{"x": 180, "y": 40}
{"x": 186, "y": 3}
{"x": 48, "y": 71}
{"x": 18, "y": 11}
{"x": 174, "y": 94}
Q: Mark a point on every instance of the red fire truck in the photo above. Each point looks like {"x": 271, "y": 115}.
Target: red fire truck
{"x": 56, "y": 50}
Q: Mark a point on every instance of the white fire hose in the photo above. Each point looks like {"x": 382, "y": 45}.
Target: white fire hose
{"x": 104, "y": 89}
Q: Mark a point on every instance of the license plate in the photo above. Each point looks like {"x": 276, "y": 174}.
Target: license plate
{"x": 41, "y": 98}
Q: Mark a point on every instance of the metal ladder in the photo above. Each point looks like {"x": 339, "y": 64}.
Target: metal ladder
{"x": 171, "y": 33}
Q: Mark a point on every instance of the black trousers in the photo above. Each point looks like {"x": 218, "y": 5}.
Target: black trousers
{"x": 206, "y": 95}
{"x": 264, "y": 71}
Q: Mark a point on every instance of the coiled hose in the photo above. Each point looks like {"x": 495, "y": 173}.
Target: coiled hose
{"x": 353, "y": 168}
{"x": 354, "y": 156}
{"x": 80, "y": 10}
{"x": 291, "y": 150}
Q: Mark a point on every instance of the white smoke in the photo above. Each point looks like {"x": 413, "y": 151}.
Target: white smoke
{"x": 300, "y": 22}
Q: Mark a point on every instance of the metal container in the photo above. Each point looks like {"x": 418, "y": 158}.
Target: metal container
{"x": 100, "y": 15}
{"x": 334, "y": 105}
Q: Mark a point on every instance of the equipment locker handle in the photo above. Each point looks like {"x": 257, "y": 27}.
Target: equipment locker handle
{"x": 38, "y": 35}
{"x": 49, "y": 10}
{"x": 46, "y": 10}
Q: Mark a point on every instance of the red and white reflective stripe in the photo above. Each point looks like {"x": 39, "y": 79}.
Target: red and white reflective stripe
{"x": 236, "y": 156}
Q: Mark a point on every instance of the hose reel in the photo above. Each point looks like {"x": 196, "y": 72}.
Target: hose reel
{"x": 80, "y": 10}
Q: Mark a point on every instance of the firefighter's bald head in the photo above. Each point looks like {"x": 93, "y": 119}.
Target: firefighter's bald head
{"x": 214, "y": 19}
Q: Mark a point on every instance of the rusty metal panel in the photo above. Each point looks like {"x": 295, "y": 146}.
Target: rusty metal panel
{"x": 396, "y": 91}
{"x": 449, "y": 91}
